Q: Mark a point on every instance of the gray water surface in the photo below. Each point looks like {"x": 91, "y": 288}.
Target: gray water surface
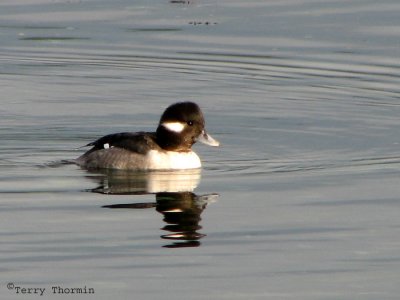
{"x": 301, "y": 201}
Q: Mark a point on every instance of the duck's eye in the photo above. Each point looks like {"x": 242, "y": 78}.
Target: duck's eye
{"x": 190, "y": 123}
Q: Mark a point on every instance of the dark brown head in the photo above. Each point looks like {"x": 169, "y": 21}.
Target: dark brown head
{"x": 181, "y": 125}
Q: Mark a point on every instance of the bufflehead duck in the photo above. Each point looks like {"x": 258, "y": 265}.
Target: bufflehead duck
{"x": 169, "y": 148}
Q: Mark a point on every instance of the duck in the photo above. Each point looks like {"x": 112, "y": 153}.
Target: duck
{"x": 181, "y": 125}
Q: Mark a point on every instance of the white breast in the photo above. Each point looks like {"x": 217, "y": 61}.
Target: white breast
{"x": 170, "y": 160}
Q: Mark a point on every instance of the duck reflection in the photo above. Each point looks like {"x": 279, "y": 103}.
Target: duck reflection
{"x": 174, "y": 199}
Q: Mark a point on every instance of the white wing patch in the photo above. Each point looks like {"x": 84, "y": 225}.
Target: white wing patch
{"x": 106, "y": 146}
{"x": 174, "y": 126}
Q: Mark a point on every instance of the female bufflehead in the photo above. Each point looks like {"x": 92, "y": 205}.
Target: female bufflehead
{"x": 169, "y": 148}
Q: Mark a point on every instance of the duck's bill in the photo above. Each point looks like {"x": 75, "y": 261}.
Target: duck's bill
{"x": 207, "y": 139}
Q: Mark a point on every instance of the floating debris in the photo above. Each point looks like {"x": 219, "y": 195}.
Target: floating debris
{"x": 180, "y": 2}
{"x": 207, "y": 23}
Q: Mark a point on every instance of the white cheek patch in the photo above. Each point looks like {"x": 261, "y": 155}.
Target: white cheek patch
{"x": 174, "y": 126}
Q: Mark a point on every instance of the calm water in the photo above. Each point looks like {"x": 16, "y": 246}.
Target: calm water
{"x": 301, "y": 201}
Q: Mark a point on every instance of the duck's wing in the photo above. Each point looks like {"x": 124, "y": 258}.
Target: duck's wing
{"x": 138, "y": 142}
